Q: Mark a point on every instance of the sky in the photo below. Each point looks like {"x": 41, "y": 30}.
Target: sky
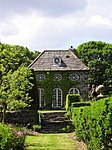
{"x": 55, "y": 24}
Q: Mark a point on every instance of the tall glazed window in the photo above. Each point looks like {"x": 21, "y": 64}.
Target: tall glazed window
{"x": 57, "y": 98}
{"x": 41, "y": 97}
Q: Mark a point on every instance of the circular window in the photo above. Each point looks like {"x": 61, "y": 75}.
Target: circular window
{"x": 57, "y": 60}
{"x": 74, "y": 77}
{"x": 57, "y": 77}
{"x": 40, "y": 77}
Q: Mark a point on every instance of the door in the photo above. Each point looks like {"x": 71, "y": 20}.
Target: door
{"x": 57, "y": 98}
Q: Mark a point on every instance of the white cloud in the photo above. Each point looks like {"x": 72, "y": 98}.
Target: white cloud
{"x": 48, "y": 26}
{"x": 43, "y": 30}
{"x": 99, "y": 21}
{"x": 7, "y": 29}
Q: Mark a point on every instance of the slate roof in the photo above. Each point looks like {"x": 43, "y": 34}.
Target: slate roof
{"x": 69, "y": 61}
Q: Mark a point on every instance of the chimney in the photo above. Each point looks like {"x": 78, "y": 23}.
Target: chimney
{"x": 71, "y": 48}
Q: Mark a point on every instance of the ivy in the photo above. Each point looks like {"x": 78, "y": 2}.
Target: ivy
{"x": 49, "y": 84}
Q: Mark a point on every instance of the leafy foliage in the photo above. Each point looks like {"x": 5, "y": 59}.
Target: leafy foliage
{"x": 98, "y": 57}
{"x": 70, "y": 98}
{"x": 15, "y": 78}
{"x": 10, "y": 138}
{"x": 64, "y": 84}
{"x": 15, "y": 88}
{"x": 80, "y": 104}
{"x": 5, "y": 137}
{"x": 12, "y": 57}
{"x": 93, "y": 124}
{"x": 37, "y": 128}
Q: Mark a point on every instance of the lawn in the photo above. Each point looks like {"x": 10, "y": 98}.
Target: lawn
{"x": 61, "y": 141}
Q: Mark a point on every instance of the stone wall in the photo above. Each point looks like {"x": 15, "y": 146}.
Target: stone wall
{"x": 24, "y": 118}
{"x": 65, "y": 84}
{"x": 83, "y": 86}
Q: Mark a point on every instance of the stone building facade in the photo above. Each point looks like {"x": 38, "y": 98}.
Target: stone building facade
{"x": 58, "y": 73}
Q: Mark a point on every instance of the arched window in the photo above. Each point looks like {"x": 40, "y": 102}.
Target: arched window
{"x": 41, "y": 97}
{"x": 73, "y": 91}
{"x": 57, "y": 98}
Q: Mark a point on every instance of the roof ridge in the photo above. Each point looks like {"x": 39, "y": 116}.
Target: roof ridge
{"x": 56, "y": 50}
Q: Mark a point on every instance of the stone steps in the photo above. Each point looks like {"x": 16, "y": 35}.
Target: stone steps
{"x": 54, "y": 122}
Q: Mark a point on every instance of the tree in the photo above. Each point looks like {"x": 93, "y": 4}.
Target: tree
{"x": 11, "y": 57}
{"x": 98, "y": 57}
{"x": 16, "y": 80}
{"x": 14, "y": 90}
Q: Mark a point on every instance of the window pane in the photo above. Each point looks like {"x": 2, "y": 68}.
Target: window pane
{"x": 41, "y": 98}
{"x": 57, "y": 98}
{"x": 74, "y": 77}
{"x": 57, "y": 77}
{"x": 73, "y": 91}
{"x": 40, "y": 77}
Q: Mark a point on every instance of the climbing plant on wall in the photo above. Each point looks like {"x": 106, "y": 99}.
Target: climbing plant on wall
{"x": 49, "y": 83}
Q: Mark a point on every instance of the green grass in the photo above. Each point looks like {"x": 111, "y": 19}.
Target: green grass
{"x": 61, "y": 141}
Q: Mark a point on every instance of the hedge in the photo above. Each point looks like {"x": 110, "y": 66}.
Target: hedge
{"x": 70, "y": 98}
{"x": 93, "y": 124}
{"x": 80, "y": 104}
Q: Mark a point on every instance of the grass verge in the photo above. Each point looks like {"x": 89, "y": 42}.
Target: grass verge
{"x": 62, "y": 141}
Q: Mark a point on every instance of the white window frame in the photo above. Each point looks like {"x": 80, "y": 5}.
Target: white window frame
{"x": 56, "y": 60}
{"x": 75, "y": 91}
{"x": 41, "y": 97}
{"x": 40, "y": 77}
{"x": 57, "y": 77}
{"x": 57, "y": 97}
{"x": 73, "y": 77}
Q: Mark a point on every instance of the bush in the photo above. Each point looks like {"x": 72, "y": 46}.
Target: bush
{"x": 36, "y": 127}
{"x": 70, "y": 98}
{"x": 6, "y": 137}
{"x": 10, "y": 138}
{"x": 19, "y": 135}
{"x": 65, "y": 129}
{"x": 68, "y": 115}
{"x": 93, "y": 124}
{"x": 80, "y": 104}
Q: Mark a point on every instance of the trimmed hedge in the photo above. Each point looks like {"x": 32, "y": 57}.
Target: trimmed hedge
{"x": 70, "y": 98}
{"x": 93, "y": 124}
{"x": 80, "y": 104}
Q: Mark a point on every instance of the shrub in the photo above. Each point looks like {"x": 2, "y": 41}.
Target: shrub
{"x": 70, "y": 98}
{"x": 65, "y": 129}
{"x": 80, "y": 104}
{"x": 93, "y": 124}
{"x": 5, "y": 137}
{"x": 19, "y": 135}
{"x": 36, "y": 127}
{"x": 68, "y": 115}
{"x": 10, "y": 138}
